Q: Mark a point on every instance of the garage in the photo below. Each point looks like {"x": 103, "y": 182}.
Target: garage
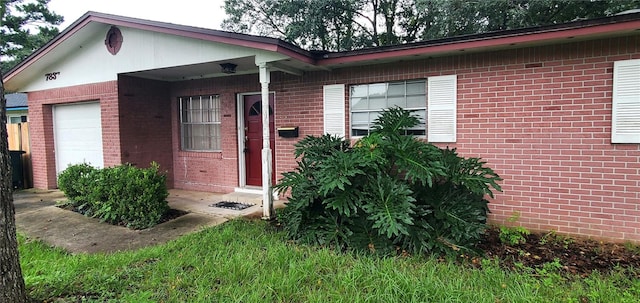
{"x": 77, "y": 134}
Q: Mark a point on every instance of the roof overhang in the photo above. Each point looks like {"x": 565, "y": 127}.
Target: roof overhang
{"x": 298, "y": 60}
{"x": 628, "y": 24}
{"x": 92, "y": 24}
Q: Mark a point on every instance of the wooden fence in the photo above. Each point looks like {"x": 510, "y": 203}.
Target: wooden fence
{"x": 19, "y": 140}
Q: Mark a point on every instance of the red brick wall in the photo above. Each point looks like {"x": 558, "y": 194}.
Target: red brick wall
{"x": 145, "y": 123}
{"x": 210, "y": 171}
{"x": 540, "y": 116}
{"x": 41, "y": 126}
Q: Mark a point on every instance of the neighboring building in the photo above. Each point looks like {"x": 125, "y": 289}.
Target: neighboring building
{"x": 18, "y": 139}
{"x": 555, "y": 110}
{"x": 16, "y": 108}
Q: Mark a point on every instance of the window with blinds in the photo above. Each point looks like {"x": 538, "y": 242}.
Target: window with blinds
{"x": 369, "y": 100}
{"x": 200, "y": 120}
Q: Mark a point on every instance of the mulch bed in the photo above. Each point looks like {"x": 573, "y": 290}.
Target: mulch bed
{"x": 171, "y": 214}
{"x": 576, "y": 256}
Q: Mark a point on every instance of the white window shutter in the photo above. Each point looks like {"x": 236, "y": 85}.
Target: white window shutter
{"x": 441, "y": 108}
{"x": 625, "y": 124}
{"x": 334, "y": 109}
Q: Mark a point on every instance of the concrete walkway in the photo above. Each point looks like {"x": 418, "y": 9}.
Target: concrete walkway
{"x": 37, "y": 217}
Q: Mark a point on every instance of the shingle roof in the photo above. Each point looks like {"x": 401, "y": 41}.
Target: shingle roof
{"x": 16, "y": 100}
{"x": 622, "y": 24}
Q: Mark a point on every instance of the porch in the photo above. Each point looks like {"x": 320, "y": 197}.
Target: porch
{"x": 203, "y": 203}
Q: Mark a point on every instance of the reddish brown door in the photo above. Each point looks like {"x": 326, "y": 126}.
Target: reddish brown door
{"x": 253, "y": 139}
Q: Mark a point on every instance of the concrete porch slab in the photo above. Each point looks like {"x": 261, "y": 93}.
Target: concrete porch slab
{"x": 199, "y": 202}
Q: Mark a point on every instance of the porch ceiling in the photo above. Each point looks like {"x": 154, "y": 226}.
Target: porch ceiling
{"x": 244, "y": 66}
{"x": 212, "y": 69}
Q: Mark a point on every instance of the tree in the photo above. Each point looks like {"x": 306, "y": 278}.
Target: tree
{"x": 337, "y": 25}
{"x": 26, "y": 26}
{"x": 12, "y": 287}
{"x": 312, "y": 24}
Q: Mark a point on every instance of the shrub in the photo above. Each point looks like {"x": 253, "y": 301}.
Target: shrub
{"x": 77, "y": 181}
{"x": 126, "y": 195}
{"x": 513, "y": 235}
{"x": 387, "y": 192}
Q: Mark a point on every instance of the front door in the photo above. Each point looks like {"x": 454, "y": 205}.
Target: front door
{"x": 253, "y": 138}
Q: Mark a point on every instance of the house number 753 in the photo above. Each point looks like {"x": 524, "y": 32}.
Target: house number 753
{"x": 51, "y": 76}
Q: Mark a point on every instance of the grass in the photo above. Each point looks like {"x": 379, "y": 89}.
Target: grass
{"x": 247, "y": 261}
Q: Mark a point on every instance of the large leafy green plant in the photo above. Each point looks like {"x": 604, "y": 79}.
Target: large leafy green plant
{"x": 388, "y": 191}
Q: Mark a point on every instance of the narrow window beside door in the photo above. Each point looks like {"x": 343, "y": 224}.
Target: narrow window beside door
{"x": 200, "y": 123}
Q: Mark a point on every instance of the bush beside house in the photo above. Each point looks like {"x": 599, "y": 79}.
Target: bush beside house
{"x": 390, "y": 191}
{"x": 121, "y": 195}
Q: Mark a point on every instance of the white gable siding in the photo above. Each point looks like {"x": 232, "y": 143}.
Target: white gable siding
{"x": 141, "y": 50}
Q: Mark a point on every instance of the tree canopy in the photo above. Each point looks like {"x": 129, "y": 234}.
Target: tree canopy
{"x": 337, "y": 25}
{"x": 26, "y": 26}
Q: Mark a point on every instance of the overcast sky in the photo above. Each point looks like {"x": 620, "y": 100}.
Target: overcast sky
{"x": 201, "y": 13}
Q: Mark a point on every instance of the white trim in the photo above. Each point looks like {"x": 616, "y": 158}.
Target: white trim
{"x": 442, "y": 108}
{"x": 254, "y": 190}
{"x": 57, "y": 135}
{"x": 625, "y": 113}
{"x": 334, "y": 109}
{"x": 242, "y": 169}
{"x": 242, "y": 174}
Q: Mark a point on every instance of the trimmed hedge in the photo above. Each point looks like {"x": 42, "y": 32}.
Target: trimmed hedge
{"x": 121, "y": 195}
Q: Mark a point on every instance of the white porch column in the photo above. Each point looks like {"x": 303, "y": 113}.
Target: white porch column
{"x": 267, "y": 191}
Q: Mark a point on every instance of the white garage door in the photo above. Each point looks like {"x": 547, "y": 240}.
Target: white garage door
{"x": 77, "y": 133}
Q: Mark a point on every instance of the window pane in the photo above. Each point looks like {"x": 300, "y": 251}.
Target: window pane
{"x": 396, "y": 89}
{"x": 359, "y": 91}
{"x": 372, "y": 117}
{"x": 378, "y": 90}
{"x": 414, "y": 88}
{"x": 360, "y": 118}
{"x": 359, "y": 103}
{"x": 215, "y": 137}
{"x": 397, "y": 101}
{"x": 367, "y": 104}
{"x": 186, "y": 136}
{"x": 420, "y": 129}
{"x": 200, "y": 123}
{"x": 416, "y": 101}
{"x": 359, "y": 132}
{"x": 422, "y": 116}
{"x": 416, "y": 132}
{"x": 377, "y": 103}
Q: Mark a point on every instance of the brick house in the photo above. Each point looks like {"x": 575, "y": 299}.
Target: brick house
{"x": 555, "y": 110}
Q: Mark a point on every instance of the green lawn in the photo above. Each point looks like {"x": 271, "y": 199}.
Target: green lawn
{"x": 247, "y": 261}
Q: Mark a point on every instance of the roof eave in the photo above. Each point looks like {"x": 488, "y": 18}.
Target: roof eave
{"x": 256, "y": 42}
{"x": 549, "y": 34}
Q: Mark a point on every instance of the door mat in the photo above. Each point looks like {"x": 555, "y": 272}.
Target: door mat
{"x": 231, "y": 205}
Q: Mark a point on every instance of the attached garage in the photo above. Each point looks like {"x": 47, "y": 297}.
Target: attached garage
{"x": 77, "y": 135}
